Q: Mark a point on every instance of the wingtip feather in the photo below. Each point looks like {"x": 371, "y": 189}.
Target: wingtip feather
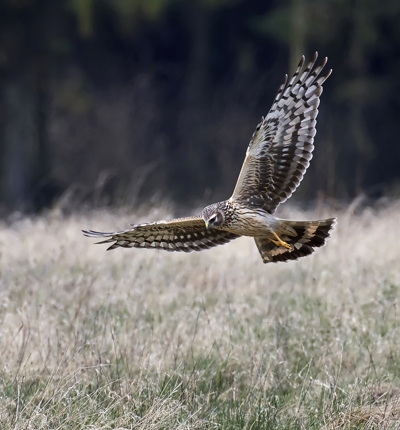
{"x": 300, "y": 65}
{"x": 314, "y": 57}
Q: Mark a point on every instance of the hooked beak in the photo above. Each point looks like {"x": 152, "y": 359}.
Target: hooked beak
{"x": 207, "y": 225}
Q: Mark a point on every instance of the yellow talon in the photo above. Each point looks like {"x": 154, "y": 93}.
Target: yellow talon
{"x": 279, "y": 241}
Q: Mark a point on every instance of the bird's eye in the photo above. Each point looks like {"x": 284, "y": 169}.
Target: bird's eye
{"x": 213, "y": 219}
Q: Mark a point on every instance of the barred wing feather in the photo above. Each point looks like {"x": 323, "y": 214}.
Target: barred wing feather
{"x": 281, "y": 147}
{"x": 181, "y": 234}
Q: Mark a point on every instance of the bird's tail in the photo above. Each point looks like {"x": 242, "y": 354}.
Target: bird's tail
{"x": 302, "y": 236}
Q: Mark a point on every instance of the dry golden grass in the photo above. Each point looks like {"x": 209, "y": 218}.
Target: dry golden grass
{"x": 145, "y": 339}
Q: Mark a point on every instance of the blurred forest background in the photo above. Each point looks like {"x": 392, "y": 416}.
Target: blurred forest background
{"x": 120, "y": 102}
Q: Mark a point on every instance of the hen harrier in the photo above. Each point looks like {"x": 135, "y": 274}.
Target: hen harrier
{"x": 278, "y": 155}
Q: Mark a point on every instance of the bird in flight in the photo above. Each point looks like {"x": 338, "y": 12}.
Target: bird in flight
{"x": 277, "y": 157}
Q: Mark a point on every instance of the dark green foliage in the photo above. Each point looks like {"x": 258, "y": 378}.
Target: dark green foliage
{"x": 120, "y": 101}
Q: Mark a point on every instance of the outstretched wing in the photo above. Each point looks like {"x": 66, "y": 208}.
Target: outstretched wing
{"x": 181, "y": 234}
{"x": 281, "y": 147}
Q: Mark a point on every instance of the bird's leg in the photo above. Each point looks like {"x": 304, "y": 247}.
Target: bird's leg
{"x": 279, "y": 241}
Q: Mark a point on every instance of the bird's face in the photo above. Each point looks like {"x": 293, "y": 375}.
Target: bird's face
{"x": 213, "y": 217}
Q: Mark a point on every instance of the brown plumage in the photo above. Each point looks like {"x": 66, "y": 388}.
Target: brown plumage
{"x": 278, "y": 155}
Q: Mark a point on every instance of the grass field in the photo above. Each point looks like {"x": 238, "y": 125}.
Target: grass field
{"x": 140, "y": 339}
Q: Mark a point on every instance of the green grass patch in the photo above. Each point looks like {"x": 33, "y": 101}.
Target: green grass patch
{"x": 139, "y": 339}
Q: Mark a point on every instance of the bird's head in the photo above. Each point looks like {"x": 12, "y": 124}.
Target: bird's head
{"x": 213, "y": 216}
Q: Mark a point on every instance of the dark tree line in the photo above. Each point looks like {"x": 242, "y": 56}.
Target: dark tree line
{"x": 118, "y": 101}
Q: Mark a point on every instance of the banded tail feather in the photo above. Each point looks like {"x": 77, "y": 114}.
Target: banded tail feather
{"x": 303, "y": 236}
